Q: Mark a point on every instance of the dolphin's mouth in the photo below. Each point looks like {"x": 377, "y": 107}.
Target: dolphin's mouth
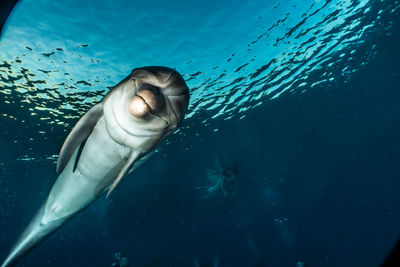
{"x": 144, "y": 100}
{"x": 143, "y": 104}
{"x": 139, "y": 107}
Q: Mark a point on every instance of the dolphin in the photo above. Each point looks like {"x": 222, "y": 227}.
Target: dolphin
{"x": 114, "y": 137}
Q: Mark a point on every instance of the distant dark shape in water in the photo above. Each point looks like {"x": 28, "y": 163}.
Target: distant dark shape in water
{"x": 221, "y": 178}
{"x": 202, "y": 263}
{"x": 229, "y": 186}
{"x": 6, "y": 6}
{"x": 120, "y": 260}
{"x": 112, "y": 138}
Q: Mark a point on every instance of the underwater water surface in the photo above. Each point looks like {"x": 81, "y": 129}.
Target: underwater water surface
{"x": 302, "y": 96}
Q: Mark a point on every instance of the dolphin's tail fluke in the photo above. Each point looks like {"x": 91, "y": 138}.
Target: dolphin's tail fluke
{"x": 37, "y": 230}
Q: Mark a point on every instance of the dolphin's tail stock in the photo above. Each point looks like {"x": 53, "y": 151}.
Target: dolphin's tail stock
{"x": 37, "y": 230}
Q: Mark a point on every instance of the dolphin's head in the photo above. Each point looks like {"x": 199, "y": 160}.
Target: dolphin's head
{"x": 159, "y": 91}
{"x": 149, "y": 103}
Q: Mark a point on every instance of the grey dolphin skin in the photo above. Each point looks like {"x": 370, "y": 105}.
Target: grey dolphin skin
{"x": 112, "y": 138}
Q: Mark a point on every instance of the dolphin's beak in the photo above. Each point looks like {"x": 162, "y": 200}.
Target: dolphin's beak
{"x": 146, "y": 101}
{"x": 138, "y": 107}
{"x": 152, "y": 97}
{"x": 33, "y": 234}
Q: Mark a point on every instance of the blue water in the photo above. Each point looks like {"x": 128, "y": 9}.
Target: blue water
{"x": 302, "y": 95}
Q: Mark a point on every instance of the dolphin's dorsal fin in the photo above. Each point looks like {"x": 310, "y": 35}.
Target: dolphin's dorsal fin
{"x": 79, "y": 133}
{"x": 133, "y": 157}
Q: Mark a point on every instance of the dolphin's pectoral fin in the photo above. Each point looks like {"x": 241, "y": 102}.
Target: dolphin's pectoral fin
{"x": 78, "y": 155}
{"x": 79, "y": 133}
{"x": 131, "y": 160}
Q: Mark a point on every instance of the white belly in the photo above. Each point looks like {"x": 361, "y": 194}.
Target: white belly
{"x": 99, "y": 164}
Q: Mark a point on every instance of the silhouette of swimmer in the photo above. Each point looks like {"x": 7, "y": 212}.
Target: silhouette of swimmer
{"x": 120, "y": 260}
{"x": 229, "y": 185}
{"x": 223, "y": 179}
